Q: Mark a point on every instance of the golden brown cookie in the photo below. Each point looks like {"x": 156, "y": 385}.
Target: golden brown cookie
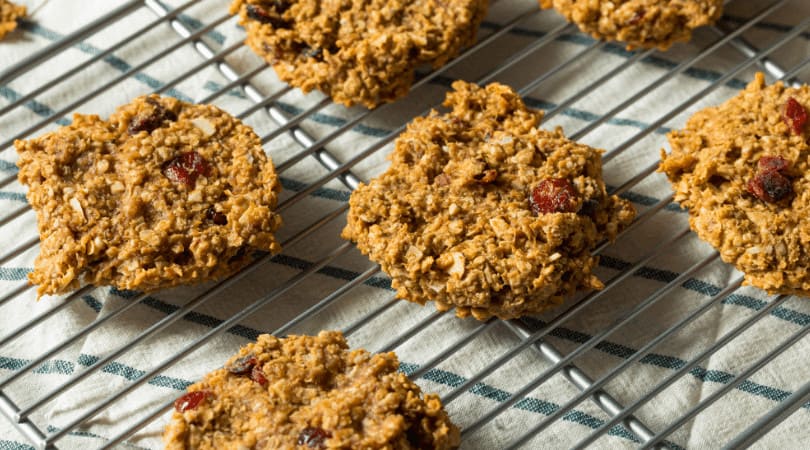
{"x": 639, "y": 23}
{"x": 743, "y": 171}
{"x": 357, "y": 51}
{"x": 482, "y": 211}
{"x": 163, "y": 193}
{"x": 308, "y": 392}
{"x": 9, "y": 13}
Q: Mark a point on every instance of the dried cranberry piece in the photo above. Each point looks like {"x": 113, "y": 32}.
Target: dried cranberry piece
{"x": 260, "y": 14}
{"x": 313, "y": 437}
{"x": 190, "y": 400}
{"x": 217, "y": 217}
{"x": 795, "y": 116}
{"x": 150, "y": 122}
{"x": 772, "y": 163}
{"x": 243, "y": 365}
{"x": 589, "y": 208}
{"x": 770, "y": 186}
{"x": 257, "y": 376}
{"x": 770, "y": 183}
{"x": 186, "y": 168}
{"x": 553, "y": 195}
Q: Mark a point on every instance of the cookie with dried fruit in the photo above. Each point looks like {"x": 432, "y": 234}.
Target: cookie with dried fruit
{"x": 741, "y": 168}
{"x": 309, "y": 392}
{"x": 482, "y": 211}
{"x": 357, "y": 52}
{"x": 161, "y": 194}
{"x": 639, "y": 23}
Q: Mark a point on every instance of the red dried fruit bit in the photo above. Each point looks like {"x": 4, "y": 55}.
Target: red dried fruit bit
{"x": 257, "y": 376}
{"x": 217, "y": 217}
{"x": 260, "y": 14}
{"x": 442, "y": 179}
{"x": 186, "y": 168}
{"x": 313, "y": 437}
{"x": 190, "y": 400}
{"x": 243, "y": 365}
{"x": 553, "y": 195}
{"x": 772, "y": 164}
{"x": 151, "y": 121}
{"x": 795, "y": 116}
{"x": 770, "y": 186}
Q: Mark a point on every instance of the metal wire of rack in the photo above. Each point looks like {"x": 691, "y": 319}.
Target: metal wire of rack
{"x": 530, "y": 335}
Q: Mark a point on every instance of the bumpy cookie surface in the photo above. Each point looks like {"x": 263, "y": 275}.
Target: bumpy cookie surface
{"x": 358, "y": 51}
{"x": 9, "y": 13}
{"x": 639, "y": 23}
{"x": 163, "y": 193}
{"x": 743, "y": 171}
{"x": 308, "y": 392}
{"x": 483, "y": 211}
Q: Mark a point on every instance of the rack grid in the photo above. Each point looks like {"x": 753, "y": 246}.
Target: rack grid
{"x": 535, "y": 65}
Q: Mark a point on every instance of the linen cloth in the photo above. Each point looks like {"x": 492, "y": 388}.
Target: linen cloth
{"x": 719, "y": 423}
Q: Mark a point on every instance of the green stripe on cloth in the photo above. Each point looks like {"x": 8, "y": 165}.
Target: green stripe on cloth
{"x": 14, "y": 273}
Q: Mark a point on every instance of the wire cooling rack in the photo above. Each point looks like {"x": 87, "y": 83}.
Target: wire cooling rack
{"x": 519, "y": 45}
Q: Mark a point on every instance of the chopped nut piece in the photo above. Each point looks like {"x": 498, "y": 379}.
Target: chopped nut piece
{"x": 204, "y": 125}
{"x": 74, "y": 203}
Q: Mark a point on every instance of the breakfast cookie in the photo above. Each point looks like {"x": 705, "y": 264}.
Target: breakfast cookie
{"x": 308, "y": 392}
{"x": 357, "y": 51}
{"x": 482, "y": 211}
{"x": 639, "y": 23}
{"x": 9, "y": 13}
{"x": 743, "y": 171}
{"x": 163, "y": 193}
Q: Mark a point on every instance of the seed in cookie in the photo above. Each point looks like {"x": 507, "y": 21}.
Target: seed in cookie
{"x": 517, "y": 244}
{"x": 9, "y": 14}
{"x": 756, "y": 215}
{"x": 141, "y": 201}
{"x": 357, "y": 52}
{"x": 317, "y": 393}
{"x": 639, "y": 23}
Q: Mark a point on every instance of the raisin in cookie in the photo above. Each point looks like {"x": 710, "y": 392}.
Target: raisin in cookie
{"x": 743, "y": 171}
{"x": 9, "y": 13}
{"x": 163, "y": 193}
{"x": 308, "y": 392}
{"x": 358, "y": 51}
{"x": 639, "y": 23}
{"x": 483, "y": 211}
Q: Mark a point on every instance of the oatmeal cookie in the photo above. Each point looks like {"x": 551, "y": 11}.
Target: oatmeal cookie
{"x": 163, "y": 193}
{"x": 639, "y": 23}
{"x": 9, "y": 13}
{"x": 743, "y": 171}
{"x": 357, "y": 51}
{"x": 308, "y": 392}
{"x": 483, "y": 211}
